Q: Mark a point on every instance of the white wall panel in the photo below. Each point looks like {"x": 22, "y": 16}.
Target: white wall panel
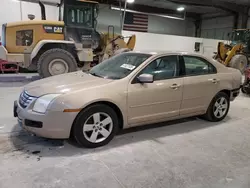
{"x": 157, "y": 42}
{"x": 10, "y": 12}
{"x": 34, "y": 8}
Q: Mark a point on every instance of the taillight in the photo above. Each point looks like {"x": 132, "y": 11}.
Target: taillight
{"x": 0, "y": 43}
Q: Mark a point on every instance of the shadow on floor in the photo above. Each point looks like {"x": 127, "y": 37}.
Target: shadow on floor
{"x": 26, "y": 143}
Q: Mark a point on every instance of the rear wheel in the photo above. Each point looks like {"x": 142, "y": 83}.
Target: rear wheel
{"x": 95, "y": 126}
{"x": 239, "y": 62}
{"x": 56, "y": 61}
{"x": 218, "y": 108}
{"x": 243, "y": 90}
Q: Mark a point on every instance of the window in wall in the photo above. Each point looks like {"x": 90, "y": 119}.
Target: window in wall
{"x": 24, "y": 38}
{"x": 198, "y": 66}
{"x": 163, "y": 68}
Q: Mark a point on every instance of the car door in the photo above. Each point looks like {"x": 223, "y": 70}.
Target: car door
{"x": 200, "y": 84}
{"x": 151, "y": 102}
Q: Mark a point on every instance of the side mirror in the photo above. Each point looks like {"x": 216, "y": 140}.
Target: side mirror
{"x": 146, "y": 78}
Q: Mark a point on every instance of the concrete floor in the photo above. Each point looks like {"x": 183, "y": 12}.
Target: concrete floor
{"x": 189, "y": 153}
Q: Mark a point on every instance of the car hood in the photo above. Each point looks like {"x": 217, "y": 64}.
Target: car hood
{"x": 65, "y": 83}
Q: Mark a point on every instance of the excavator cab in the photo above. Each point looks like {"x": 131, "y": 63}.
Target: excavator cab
{"x": 241, "y": 36}
{"x": 80, "y": 20}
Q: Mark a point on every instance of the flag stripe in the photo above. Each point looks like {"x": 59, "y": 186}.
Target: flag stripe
{"x": 140, "y": 23}
{"x": 135, "y": 26}
{"x": 136, "y": 30}
{"x": 140, "y": 20}
{"x": 141, "y": 16}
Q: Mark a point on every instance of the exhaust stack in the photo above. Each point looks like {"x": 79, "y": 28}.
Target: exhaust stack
{"x": 43, "y": 13}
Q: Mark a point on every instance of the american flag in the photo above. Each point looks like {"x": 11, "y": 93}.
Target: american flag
{"x": 136, "y": 22}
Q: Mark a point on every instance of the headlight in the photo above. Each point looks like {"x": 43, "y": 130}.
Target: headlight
{"x": 43, "y": 102}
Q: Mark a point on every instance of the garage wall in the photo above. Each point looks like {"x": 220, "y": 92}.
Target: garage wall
{"x": 108, "y": 17}
{"x": 248, "y": 21}
{"x": 155, "y": 24}
{"x": 52, "y": 12}
{"x": 10, "y": 8}
{"x": 12, "y": 11}
{"x": 217, "y": 28}
{"x": 162, "y": 25}
{"x": 160, "y": 42}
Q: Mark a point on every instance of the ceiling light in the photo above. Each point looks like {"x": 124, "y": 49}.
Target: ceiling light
{"x": 180, "y": 9}
{"x": 151, "y": 14}
{"x": 130, "y": 1}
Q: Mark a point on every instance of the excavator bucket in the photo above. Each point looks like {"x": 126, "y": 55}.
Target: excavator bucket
{"x": 131, "y": 42}
{"x": 222, "y": 51}
{"x": 233, "y": 52}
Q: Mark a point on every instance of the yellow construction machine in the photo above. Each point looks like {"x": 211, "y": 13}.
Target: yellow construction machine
{"x": 236, "y": 54}
{"x": 57, "y": 47}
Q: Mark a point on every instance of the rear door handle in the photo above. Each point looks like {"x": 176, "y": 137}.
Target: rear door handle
{"x": 214, "y": 80}
{"x": 175, "y": 86}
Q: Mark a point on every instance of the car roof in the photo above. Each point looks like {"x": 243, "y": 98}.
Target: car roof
{"x": 157, "y": 53}
{"x": 168, "y": 53}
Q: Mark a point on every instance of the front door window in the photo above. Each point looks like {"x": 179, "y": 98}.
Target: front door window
{"x": 163, "y": 68}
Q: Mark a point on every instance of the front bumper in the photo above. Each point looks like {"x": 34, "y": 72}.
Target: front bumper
{"x": 52, "y": 124}
{"x": 235, "y": 93}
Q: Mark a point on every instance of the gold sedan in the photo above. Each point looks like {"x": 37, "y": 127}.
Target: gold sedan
{"x": 130, "y": 89}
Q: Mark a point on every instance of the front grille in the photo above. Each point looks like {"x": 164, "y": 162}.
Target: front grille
{"x": 25, "y": 99}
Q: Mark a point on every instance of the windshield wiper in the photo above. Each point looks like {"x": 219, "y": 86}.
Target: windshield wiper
{"x": 94, "y": 74}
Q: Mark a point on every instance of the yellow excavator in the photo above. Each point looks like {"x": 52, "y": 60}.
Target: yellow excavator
{"x": 237, "y": 53}
{"x": 57, "y": 47}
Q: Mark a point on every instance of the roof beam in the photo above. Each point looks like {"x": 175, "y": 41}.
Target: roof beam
{"x": 150, "y": 9}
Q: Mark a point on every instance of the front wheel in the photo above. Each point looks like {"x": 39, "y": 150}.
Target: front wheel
{"x": 239, "y": 62}
{"x": 218, "y": 108}
{"x": 56, "y": 61}
{"x": 95, "y": 126}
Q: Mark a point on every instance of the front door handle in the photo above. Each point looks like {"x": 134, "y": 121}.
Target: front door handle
{"x": 175, "y": 86}
{"x": 214, "y": 80}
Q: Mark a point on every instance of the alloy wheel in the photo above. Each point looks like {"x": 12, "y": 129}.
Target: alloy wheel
{"x": 98, "y": 127}
{"x": 220, "y": 107}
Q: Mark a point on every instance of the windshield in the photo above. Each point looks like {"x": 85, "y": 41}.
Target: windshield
{"x": 80, "y": 16}
{"x": 119, "y": 66}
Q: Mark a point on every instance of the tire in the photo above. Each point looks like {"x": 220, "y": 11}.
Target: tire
{"x": 89, "y": 136}
{"x": 243, "y": 90}
{"x": 65, "y": 58}
{"x": 239, "y": 62}
{"x": 211, "y": 111}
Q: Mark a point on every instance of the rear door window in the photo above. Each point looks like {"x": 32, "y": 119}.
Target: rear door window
{"x": 198, "y": 66}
